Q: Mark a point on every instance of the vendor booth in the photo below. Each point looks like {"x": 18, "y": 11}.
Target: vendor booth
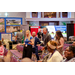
{"x": 34, "y": 29}
{"x": 8, "y": 28}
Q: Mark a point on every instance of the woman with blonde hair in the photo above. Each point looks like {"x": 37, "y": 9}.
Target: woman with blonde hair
{"x": 28, "y": 42}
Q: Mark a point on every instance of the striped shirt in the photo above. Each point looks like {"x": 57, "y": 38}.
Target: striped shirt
{"x": 1, "y": 51}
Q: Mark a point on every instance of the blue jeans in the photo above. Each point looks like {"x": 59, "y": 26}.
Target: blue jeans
{"x": 35, "y": 50}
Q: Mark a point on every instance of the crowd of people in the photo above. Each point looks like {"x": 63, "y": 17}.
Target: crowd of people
{"x": 52, "y": 47}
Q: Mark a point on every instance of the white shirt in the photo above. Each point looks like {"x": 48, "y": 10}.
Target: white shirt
{"x": 56, "y": 57}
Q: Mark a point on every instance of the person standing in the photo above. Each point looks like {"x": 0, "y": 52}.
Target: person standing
{"x": 19, "y": 37}
{"x": 28, "y": 42}
{"x": 46, "y": 38}
{"x": 60, "y": 41}
{"x": 35, "y": 47}
{"x": 40, "y": 35}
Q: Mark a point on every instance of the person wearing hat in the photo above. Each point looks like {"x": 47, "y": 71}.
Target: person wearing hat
{"x": 54, "y": 55}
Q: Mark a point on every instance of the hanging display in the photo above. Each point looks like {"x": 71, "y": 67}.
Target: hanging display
{"x": 2, "y": 26}
{"x": 9, "y": 25}
{"x": 11, "y": 29}
{"x": 13, "y": 21}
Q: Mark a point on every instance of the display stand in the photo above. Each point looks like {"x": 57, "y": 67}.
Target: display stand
{"x": 9, "y": 25}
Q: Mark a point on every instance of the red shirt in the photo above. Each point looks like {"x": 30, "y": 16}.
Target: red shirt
{"x": 1, "y": 50}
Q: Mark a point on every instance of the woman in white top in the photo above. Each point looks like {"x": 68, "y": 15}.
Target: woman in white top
{"x": 53, "y": 55}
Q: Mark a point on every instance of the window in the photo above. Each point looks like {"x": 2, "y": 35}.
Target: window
{"x": 34, "y": 14}
{"x": 43, "y": 23}
{"x": 49, "y": 14}
{"x": 64, "y": 14}
{"x": 46, "y": 23}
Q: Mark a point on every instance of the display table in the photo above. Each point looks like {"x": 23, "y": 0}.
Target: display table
{"x": 19, "y": 47}
{"x": 16, "y": 56}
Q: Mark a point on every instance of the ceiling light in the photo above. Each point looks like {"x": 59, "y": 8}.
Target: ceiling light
{"x": 6, "y": 14}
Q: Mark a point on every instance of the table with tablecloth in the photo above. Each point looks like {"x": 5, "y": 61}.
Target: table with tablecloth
{"x": 16, "y": 56}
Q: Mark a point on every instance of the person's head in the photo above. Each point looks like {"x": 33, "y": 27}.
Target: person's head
{"x": 28, "y": 34}
{"x": 0, "y": 43}
{"x": 26, "y": 60}
{"x": 51, "y": 45}
{"x": 33, "y": 34}
{"x": 73, "y": 44}
{"x": 45, "y": 30}
{"x": 70, "y": 52}
{"x": 40, "y": 30}
{"x": 59, "y": 34}
{"x": 18, "y": 30}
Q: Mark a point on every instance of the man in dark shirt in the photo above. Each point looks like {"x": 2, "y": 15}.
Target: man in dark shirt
{"x": 46, "y": 37}
{"x": 35, "y": 47}
{"x": 40, "y": 35}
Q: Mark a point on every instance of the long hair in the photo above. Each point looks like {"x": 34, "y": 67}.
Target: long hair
{"x": 29, "y": 35}
{"x": 59, "y": 34}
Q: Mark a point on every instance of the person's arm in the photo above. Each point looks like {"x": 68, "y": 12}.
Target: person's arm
{"x": 61, "y": 43}
{"x": 32, "y": 42}
{"x": 21, "y": 44}
{"x": 48, "y": 39}
{"x": 38, "y": 40}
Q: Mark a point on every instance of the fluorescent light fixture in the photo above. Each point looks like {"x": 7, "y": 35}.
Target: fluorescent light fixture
{"x": 6, "y": 14}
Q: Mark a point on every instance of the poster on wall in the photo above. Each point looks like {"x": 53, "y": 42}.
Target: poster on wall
{"x": 2, "y": 26}
{"x": 11, "y": 29}
{"x": 6, "y": 36}
{"x": 62, "y": 29}
{"x": 52, "y": 30}
{"x": 13, "y": 21}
